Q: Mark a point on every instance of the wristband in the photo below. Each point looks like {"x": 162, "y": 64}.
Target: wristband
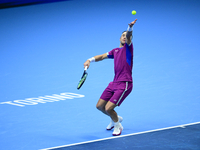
{"x": 92, "y": 59}
{"x": 130, "y": 29}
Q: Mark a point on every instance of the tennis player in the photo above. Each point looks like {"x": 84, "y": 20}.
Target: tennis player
{"x": 122, "y": 84}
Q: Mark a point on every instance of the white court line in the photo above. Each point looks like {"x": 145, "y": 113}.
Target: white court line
{"x": 181, "y": 126}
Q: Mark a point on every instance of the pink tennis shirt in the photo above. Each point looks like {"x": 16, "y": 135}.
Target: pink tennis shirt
{"x": 123, "y": 62}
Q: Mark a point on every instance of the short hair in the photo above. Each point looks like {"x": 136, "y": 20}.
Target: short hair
{"x": 123, "y": 32}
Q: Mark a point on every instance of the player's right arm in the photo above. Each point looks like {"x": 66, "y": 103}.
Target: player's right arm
{"x": 96, "y": 59}
{"x": 129, "y": 33}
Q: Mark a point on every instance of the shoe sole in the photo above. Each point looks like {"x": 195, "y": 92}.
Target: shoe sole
{"x": 110, "y": 128}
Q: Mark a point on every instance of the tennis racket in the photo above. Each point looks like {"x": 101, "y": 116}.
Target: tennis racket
{"x": 83, "y": 78}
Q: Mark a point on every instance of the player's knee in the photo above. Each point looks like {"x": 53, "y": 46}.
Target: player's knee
{"x": 99, "y": 107}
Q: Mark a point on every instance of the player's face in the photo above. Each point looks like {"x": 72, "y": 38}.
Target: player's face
{"x": 123, "y": 38}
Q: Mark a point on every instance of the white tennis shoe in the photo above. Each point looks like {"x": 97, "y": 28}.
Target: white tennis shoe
{"x": 112, "y": 123}
{"x": 117, "y": 129}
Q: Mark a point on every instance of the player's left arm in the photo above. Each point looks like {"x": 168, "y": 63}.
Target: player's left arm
{"x": 129, "y": 32}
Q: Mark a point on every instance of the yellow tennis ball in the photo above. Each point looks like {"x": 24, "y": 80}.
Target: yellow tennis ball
{"x": 133, "y": 12}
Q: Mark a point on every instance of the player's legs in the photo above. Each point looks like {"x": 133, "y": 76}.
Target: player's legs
{"x": 108, "y": 109}
{"x": 113, "y": 96}
{"x": 121, "y": 91}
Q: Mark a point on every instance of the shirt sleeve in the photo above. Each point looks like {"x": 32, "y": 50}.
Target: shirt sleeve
{"x": 110, "y": 54}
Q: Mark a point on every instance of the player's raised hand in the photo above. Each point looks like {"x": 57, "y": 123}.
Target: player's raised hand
{"x": 132, "y": 23}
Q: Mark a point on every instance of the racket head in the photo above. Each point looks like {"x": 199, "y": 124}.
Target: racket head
{"x": 83, "y": 78}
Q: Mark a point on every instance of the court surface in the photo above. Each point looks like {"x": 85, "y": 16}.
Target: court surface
{"x": 178, "y": 137}
{"x": 42, "y": 51}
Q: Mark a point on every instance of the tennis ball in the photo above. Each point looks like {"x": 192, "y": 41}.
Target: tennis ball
{"x": 133, "y": 12}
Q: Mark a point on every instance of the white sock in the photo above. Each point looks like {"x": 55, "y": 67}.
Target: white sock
{"x": 116, "y": 123}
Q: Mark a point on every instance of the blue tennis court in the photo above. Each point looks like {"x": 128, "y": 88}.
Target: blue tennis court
{"x": 42, "y": 51}
{"x": 177, "y": 137}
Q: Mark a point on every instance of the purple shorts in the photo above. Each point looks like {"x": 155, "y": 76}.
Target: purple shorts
{"x": 116, "y": 92}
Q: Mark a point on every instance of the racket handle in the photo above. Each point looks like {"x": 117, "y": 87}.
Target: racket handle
{"x": 86, "y": 67}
